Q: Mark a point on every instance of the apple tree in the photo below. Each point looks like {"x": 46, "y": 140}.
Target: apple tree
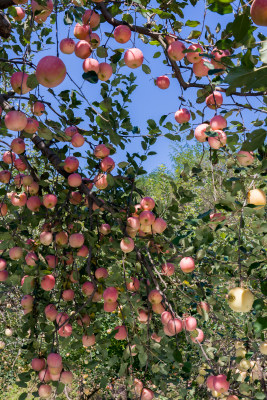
{"x": 151, "y": 286}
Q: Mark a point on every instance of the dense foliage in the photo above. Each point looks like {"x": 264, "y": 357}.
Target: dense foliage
{"x": 116, "y": 283}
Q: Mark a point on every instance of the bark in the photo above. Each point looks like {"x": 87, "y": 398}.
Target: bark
{"x": 5, "y": 26}
{"x": 5, "y": 4}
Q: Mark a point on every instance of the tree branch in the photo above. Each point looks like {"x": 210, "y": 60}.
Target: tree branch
{"x": 5, "y": 26}
{"x": 5, "y": 4}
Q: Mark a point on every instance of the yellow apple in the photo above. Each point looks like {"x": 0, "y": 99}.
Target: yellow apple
{"x": 257, "y": 197}
{"x": 240, "y": 352}
{"x": 244, "y": 365}
{"x": 263, "y": 348}
{"x": 240, "y": 299}
{"x": 200, "y": 379}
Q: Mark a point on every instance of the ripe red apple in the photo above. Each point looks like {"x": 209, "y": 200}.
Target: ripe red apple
{"x": 218, "y": 141}
{"x": 90, "y": 64}
{"x": 100, "y": 181}
{"x": 75, "y": 180}
{"x": 220, "y": 383}
{"x": 54, "y": 360}
{"x": 38, "y": 364}
{"x": 91, "y": 18}
{"x": 200, "y": 336}
{"x": 168, "y": 269}
{"x": 3, "y": 210}
{"x": 170, "y": 39}
{"x": 15, "y": 121}
{"x": 110, "y": 307}
{"x": 133, "y": 58}
{"x": 155, "y": 297}
{"x": 43, "y": 11}
{"x": 51, "y": 312}
{"x": 133, "y": 285}
{"x": 127, "y": 245}
{"x": 20, "y": 14}
{"x": 121, "y": 332}
{"x": 66, "y": 377}
{"x": 61, "y": 318}
{"x": 187, "y": 264}
{"x": 258, "y": 12}
{"x": 88, "y": 288}
{"x": 147, "y": 394}
{"x": 190, "y": 323}
{"x": 138, "y": 386}
{"x": 214, "y": 100}
{"x": 18, "y": 145}
{"x": 71, "y": 164}
{"x": 122, "y": 34}
{"x": 101, "y": 273}
{"x": 5, "y": 176}
{"x": 105, "y": 229}
{"x": 18, "y": 82}
{"x": 3, "y": 264}
{"x": 70, "y": 131}
{"x": 77, "y": 140}
{"x": 175, "y": 50}
{"x": 218, "y": 122}
{"x": 15, "y": 253}
{"x": 147, "y": 204}
{"x": 67, "y": 46}
{"x": 202, "y": 305}
{"x": 156, "y": 338}
{"x": 48, "y": 282}
{"x": 194, "y": 57}
{"x": 182, "y": 116}
{"x": 83, "y": 251}
{"x": 76, "y": 240}
{"x": 163, "y": 82}
{"x": 18, "y": 199}
{"x": 9, "y": 157}
{"x": 146, "y": 218}
{"x": 49, "y": 200}
{"x": 81, "y": 31}
{"x": 44, "y": 375}
{"x": 158, "y": 308}
{"x": 50, "y": 71}
{"x": 175, "y": 325}
{"x": 45, "y": 391}
{"x": 200, "y": 69}
{"x": 101, "y": 151}
{"x": 88, "y": 340}
{"x": 84, "y": 321}
{"x": 166, "y": 316}
{"x": 75, "y": 198}
{"x": 3, "y": 275}
{"x": 68, "y": 295}
{"x": 200, "y": 134}
{"x": 31, "y": 258}
{"x": 27, "y": 302}
{"x": 51, "y": 261}
{"x": 38, "y": 108}
{"x": 82, "y": 49}
{"x": 105, "y": 71}
{"x": 46, "y": 238}
{"x": 245, "y": 158}
{"x": 19, "y": 165}
{"x": 110, "y": 295}
{"x": 34, "y": 203}
{"x": 61, "y": 238}
{"x": 107, "y": 164}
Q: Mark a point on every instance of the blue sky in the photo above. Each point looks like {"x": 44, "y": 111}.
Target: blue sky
{"x": 148, "y": 101}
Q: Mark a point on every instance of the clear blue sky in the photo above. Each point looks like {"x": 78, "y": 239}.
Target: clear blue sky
{"x": 148, "y": 101}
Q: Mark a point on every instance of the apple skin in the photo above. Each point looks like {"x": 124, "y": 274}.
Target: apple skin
{"x": 15, "y": 121}
{"x": 90, "y": 64}
{"x": 18, "y": 82}
{"x": 127, "y": 245}
{"x": 147, "y": 394}
{"x": 101, "y": 151}
{"x": 45, "y": 391}
{"x": 91, "y": 18}
{"x": 218, "y": 122}
{"x": 133, "y": 58}
{"x": 122, "y": 34}
{"x": 48, "y": 282}
{"x": 256, "y": 197}
{"x": 258, "y": 12}
{"x": 67, "y": 46}
{"x": 121, "y": 332}
{"x": 218, "y": 141}
{"x": 200, "y": 336}
{"x": 163, "y": 82}
{"x": 194, "y": 57}
{"x": 182, "y": 116}
{"x": 244, "y": 158}
{"x": 32, "y": 126}
{"x": 82, "y": 49}
{"x": 175, "y": 50}
{"x": 200, "y": 69}
{"x": 187, "y": 264}
{"x": 215, "y": 97}
{"x": 263, "y": 348}
{"x": 38, "y": 364}
{"x": 81, "y": 31}
{"x": 147, "y": 204}
{"x": 38, "y": 108}
{"x": 154, "y": 297}
{"x": 9, "y": 157}
{"x": 175, "y": 326}
{"x": 50, "y": 71}
{"x": 200, "y": 134}
{"x": 240, "y": 299}
{"x": 168, "y": 269}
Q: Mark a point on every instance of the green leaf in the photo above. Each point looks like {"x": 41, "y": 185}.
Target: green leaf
{"x": 90, "y": 76}
{"x": 44, "y": 132}
{"x": 194, "y": 34}
{"x": 220, "y": 8}
{"x": 246, "y": 78}
{"x": 263, "y": 52}
{"x": 146, "y": 69}
{"x": 60, "y": 388}
{"x": 110, "y": 180}
{"x": 101, "y": 52}
{"x": 260, "y": 324}
{"x": 240, "y": 26}
{"x": 255, "y": 140}
{"x": 177, "y": 355}
{"x": 68, "y": 18}
{"x": 23, "y": 396}
{"x": 32, "y": 81}
{"x": 260, "y": 396}
{"x": 192, "y": 24}
{"x": 157, "y": 54}
{"x": 264, "y": 287}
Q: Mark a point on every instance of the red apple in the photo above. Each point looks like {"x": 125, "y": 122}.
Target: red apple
{"x": 163, "y": 82}
{"x": 67, "y": 46}
{"x": 175, "y": 50}
{"x": 182, "y": 116}
{"x": 133, "y": 58}
{"x": 16, "y": 121}
{"x": 50, "y": 71}
{"x": 122, "y": 34}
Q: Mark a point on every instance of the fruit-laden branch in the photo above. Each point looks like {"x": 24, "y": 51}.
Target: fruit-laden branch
{"x": 5, "y": 26}
{"x": 160, "y": 38}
